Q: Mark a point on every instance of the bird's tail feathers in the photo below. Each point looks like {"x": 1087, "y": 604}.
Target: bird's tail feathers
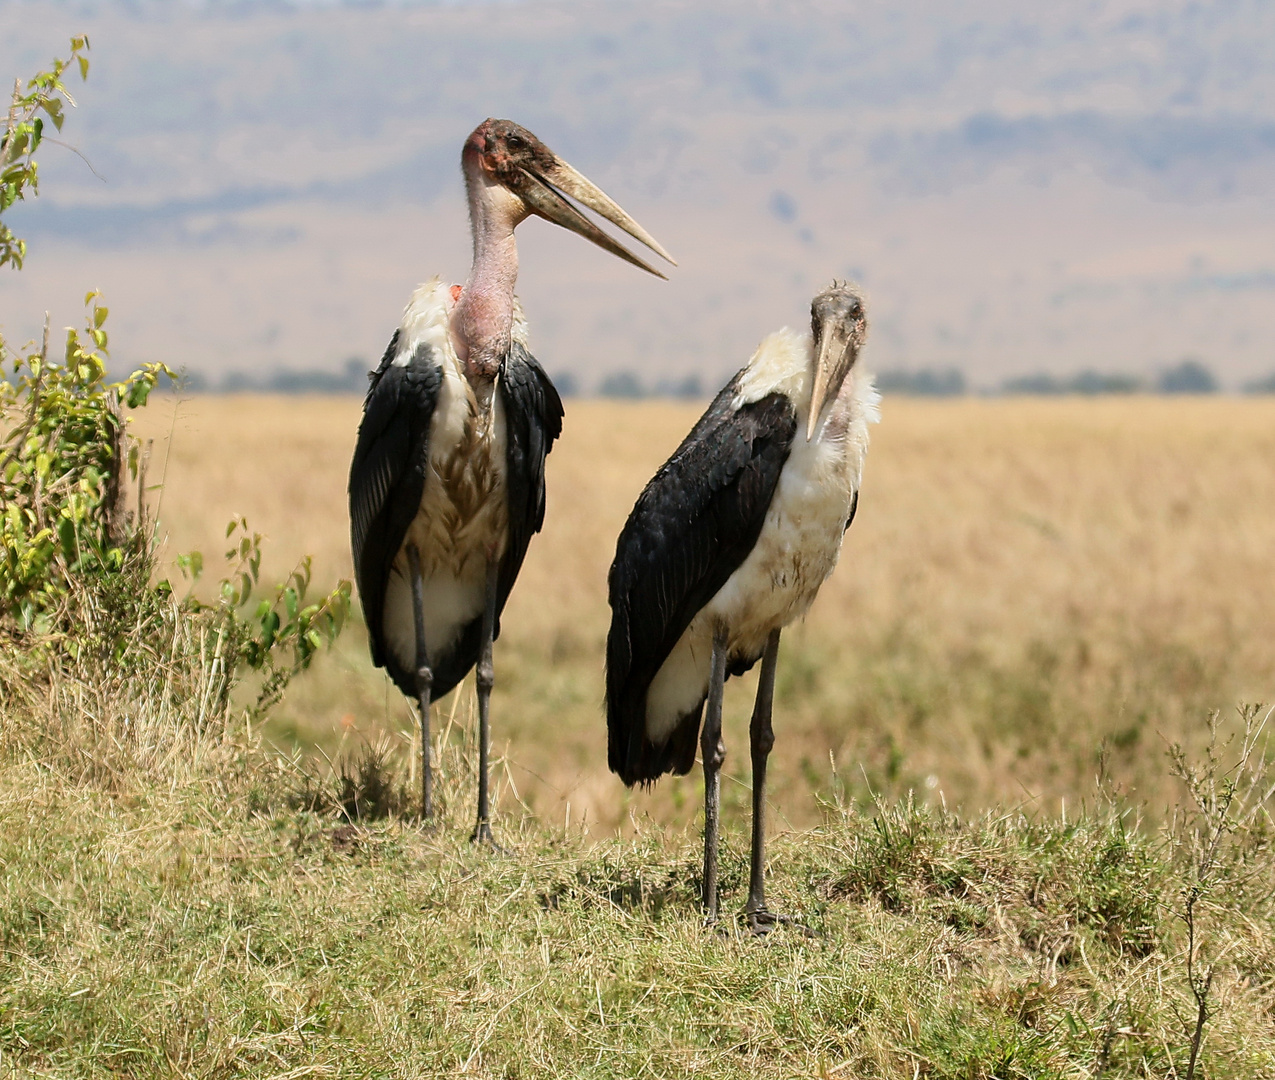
{"x": 637, "y": 760}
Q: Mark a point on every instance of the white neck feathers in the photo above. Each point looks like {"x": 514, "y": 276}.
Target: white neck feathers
{"x": 784, "y": 364}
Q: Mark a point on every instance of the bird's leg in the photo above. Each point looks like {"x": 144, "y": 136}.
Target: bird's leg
{"x": 713, "y": 752}
{"x": 424, "y": 680}
{"x": 485, "y": 676}
{"x": 762, "y": 737}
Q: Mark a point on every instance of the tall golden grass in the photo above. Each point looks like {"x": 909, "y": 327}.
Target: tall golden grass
{"x": 1034, "y": 592}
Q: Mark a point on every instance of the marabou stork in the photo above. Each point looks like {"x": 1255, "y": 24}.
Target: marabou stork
{"x": 447, "y": 482}
{"x": 728, "y": 544}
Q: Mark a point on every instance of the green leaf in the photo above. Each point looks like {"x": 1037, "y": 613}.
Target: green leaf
{"x": 138, "y": 392}
{"x": 53, "y": 107}
{"x": 66, "y": 537}
{"x": 191, "y": 565}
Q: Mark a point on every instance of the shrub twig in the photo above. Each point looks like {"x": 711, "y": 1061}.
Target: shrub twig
{"x": 1224, "y": 802}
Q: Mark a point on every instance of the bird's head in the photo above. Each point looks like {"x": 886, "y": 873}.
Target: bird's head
{"x": 521, "y": 171}
{"x": 839, "y": 328}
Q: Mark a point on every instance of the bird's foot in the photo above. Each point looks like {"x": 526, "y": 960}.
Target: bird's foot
{"x": 482, "y": 835}
{"x": 762, "y": 921}
{"x": 713, "y": 924}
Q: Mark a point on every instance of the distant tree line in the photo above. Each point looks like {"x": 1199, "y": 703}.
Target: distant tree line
{"x": 1189, "y": 376}
{"x": 923, "y": 382}
{"x": 351, "y": 379}
{"x": 625, "y": 384}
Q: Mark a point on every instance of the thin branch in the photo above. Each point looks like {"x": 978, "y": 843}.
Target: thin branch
{"x": 1227, "y": 800}
{"x": 68, "y": 146}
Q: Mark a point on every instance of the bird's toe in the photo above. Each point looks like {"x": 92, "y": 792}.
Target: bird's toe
{"x": 482, "y": 834}
{"x": 762, "y": 921}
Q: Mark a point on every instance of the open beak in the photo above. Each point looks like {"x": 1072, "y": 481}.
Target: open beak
{"x": 837, "y": 353}
{"x": 543, "y": 194}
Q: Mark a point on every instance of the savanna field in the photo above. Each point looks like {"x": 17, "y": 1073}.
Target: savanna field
{"x": 998, "y": 864}
{"x": 1026, "y": 581}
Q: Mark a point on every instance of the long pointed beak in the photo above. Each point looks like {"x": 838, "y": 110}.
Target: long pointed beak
{"x": 542, "y": 194}
{"x": 837, "y": 353}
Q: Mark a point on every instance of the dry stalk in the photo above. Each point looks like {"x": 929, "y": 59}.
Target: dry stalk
{"x": 1226, "y": 801}
{"x": 114, "y": 511}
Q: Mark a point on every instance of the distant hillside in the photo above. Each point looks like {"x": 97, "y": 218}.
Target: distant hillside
{"x": 1084, "y": 189}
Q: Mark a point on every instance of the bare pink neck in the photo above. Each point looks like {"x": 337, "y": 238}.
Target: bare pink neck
{"x": 483, "y": 319}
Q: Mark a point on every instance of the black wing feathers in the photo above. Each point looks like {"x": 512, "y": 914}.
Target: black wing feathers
{"x": 387, "y": 477}
{"x": 533, "y": 418}
{"x": 691, "y": 528}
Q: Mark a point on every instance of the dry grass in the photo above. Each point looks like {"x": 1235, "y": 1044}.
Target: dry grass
{"x": 197, "y": 918}
{"x": 1026, "y": 580}
{"x": 176, "y": 902}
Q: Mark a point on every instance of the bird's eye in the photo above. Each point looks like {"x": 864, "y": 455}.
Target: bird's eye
{"x": 516, "y": 142}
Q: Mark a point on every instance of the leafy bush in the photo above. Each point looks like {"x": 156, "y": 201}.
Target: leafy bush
{"x": 77, "y": 571}
{"x": 277, "y": 636}
{"x": 23, "y": 134}
{"x": 63, "y": 455}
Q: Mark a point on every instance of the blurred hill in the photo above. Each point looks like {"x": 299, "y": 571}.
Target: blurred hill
{"x": 1070, "y": 189}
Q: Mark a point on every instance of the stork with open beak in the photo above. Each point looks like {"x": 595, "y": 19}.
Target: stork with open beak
{"x": 729, "y": 543}
{"x": 447, "y": 482}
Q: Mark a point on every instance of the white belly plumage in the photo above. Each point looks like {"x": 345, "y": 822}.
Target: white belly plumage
{"x": 776, "y": 584}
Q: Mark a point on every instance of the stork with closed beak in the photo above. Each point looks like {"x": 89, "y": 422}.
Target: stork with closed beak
{"x": 728, "y": 544}
{"x": 447, "y": 482}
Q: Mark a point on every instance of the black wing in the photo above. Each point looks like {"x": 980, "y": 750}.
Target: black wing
{"x": 533, "y": 420}
{"x": 387, "y": 477}
{"x": 691, "y": 528}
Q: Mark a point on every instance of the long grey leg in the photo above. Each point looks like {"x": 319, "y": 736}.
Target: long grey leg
{"x": 486, "y": 679}
{"x": 424, "y": 680}
{"x": 762, "y": 738}
{"x": 713, "y": 751}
